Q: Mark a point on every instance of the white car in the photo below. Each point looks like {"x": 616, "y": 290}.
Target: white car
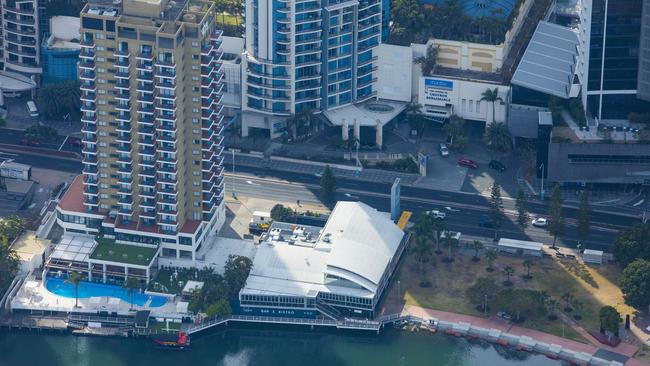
{"x": 540, "y": 222}
{"x": 438, "y": 215}
{"x": 444, "y": 151}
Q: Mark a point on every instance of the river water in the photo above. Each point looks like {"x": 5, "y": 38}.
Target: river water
{"x": 254, "y": 346}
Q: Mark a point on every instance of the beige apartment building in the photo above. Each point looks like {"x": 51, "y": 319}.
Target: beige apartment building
{"x": 151, "y": 86}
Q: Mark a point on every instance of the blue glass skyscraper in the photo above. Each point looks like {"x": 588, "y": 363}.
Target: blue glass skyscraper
{"x": 307, "y": 55}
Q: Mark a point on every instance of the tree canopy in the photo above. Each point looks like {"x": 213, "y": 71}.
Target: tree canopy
{"x": 556, "y": 218}
{"x": 328, "y": 186}
{"x": 609, "y": 319}
{"x": 281, "y": 213}
{"x": 9, "y": 264}
{"x": 632, "y": 243}
{"x": 57, "y": 100}
{"x": 635, "y": 283}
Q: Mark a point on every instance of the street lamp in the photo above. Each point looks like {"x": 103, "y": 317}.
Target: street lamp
{"x": 541, "y": 191}
{"x": 234, "y": 194}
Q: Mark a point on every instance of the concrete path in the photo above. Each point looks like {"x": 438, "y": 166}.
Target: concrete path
{"x": 624, "y": 349}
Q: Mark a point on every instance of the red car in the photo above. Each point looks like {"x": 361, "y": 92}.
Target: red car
{"x": 29, "y": 142}
{"x": 468, "y": 163}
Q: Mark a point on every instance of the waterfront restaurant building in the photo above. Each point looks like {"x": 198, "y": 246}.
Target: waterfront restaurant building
{"x": 339, "y": 270}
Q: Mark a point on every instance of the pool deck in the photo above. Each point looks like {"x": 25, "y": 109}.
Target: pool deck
{"x": 33, "y": 295}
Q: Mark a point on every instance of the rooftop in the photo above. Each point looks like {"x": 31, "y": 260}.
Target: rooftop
{"x": 73, "y": 248}
{"x": 27, "y": 245}
{"x": 355, "y": 246}
{"x": 109, "y": 250}
{"x": 520, "y": 244}
{"x": 368, "y": 113}
{"x": 73, "y": 198}
{"x": 549, "y": 62}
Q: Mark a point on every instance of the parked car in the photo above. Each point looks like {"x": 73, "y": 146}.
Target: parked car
{"x": 438, "y": 215}
{"x": 29, "y": 142}
{"x": 540, "y": 222}
{"x": 444, "y": 151}
{"x": 469, "y": 163}
{"x": 497, "y": 165}
{"x": 486, "y": 222}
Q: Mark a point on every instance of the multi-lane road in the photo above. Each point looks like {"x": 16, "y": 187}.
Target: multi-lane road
{"x": 464, "y": 211}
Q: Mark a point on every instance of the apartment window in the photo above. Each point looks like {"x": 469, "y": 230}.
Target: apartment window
{"x": 103, "y": 175}
{"x": 103, "y": 186}
{"x": 478, "y": 106}
{"x": 196, "y": 184}
{"x": 195, "y": 100}
{"x": 195, "y": 110}
{"x": 103, "y": 155}
{"x": 197, "y": 204}
{"x": 101, "y": 59}
{"x": 102, "y": 113}
{"x": 195, "y": 44}
{"x": 101, "y": 81}
{"x": 99, "y": 35}
{"x": 471, "y": 105}
{"x": 196, "y": 174}
{"x": 195, "y": 78}
{"x": 103, "y": 195}
{"x": 103, "y": 133}
{"x": 195, "y": 121}
{"x": 101, "y": 102}
{"x": 463, "y": 105}
{"x": 195, "y": 67}
{"x": 101, "y": 123}
{"x": 101, "y": 69}
{"x": 102, "y": 144}
{"x": 196, "y": 194}
{"x": 101, "y": 48}
{"x": 103, "y": 206}
{"x": 101, "y": 91}
{"x": 196, "y": 132}
{"x": 196, "y": 152}
{"x": 196, "y": 142}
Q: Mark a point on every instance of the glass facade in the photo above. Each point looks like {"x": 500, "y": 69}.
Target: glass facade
{"x": 614, "y": 59}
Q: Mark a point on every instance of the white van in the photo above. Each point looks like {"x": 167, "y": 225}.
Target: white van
{"x": 31, "y": 109}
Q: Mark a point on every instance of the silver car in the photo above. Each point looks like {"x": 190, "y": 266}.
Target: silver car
{"x": 444, "y": 151}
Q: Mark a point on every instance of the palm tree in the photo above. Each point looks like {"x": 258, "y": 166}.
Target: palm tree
{"x": 491, "y": 256}
{"x": 438, "y": 227}
{"x": 131, "y": 284}
{"x": 551, "y": 306}
{"x": 414, "y": 116}
{"x": 450, "y": 243}
{"x": 57, "y": 100}
{"x": 292, "y": 125}
{"x": 492, "y": 96}
{"x": 478, "y": 246}
{"x": 422, "y": 250}
{"x": 428, "y": 62}
{"x": 508, "y": 271}
{"x": 75, "y": 278}
{"x": 498, "y": 137}
{"x": 568, "y": 300}
{"x": 528, "y": 263}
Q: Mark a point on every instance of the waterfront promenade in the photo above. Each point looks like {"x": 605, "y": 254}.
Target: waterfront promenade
{"x": 625, "y": 349}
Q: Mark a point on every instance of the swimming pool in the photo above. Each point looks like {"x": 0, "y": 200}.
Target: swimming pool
{"x": 60, "y": 287}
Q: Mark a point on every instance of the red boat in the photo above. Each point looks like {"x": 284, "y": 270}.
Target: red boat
{"x": 172, "y": 341}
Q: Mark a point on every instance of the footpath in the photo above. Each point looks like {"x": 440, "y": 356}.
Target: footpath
{"x": 623, "y": 352}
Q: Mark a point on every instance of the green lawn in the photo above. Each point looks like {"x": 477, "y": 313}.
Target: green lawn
{"x": 108, "y": 250}
{"x": 163, "y": 284}
{"x": 229, "y": 19}
{"x": 449, "y": 282}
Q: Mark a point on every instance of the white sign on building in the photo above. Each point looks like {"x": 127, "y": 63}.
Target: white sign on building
{"x": 438, "y": 92}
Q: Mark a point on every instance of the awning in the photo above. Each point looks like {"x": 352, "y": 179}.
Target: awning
{"x": 549, "y": 63}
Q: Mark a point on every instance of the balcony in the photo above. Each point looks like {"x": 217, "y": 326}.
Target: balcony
{"x": 148, "y": 163}
{"x": 167, "y": 210}
{"x": 89, "y": 169}
{"x": 87, "y": 65}
{"x": 166, "y": 179}
{"x": 166, "y": 126}
{"x": 146, "y": 141}
{"x": 88, "y": 86}
{"x": 167, "y": 159}
{"x": 145, "y": 56}
{"x": 89, "y": 128}
{"x": 167, "y": 137}
{"x": 123, "y": 107}
{"x": 123, "y": 84}
{"x": 122, "y": 75}
{"x": 148, "y": 203}
{"x": 146, "y": 77}
{"x": 123, "y": 127}
{"x": 88, "y": 97}
{"x": 145, "y": 88}
{"x": 122, "y": 62}
{"x": 145, "y": 98}
{"x": 146, "y": 109}
{"x": 123, "y": 95}
{"x": 123, "y": 117}
{"x": 88, "y": 107}
{"x": 148, "y": 193}
{"x": 150, "y": 172}
{"x": 167, "y": 190}
{"x": 166, "y": 105}
{"x": 88, "y": 75}
{"x": 125, "y": 148}
{"x": 146, "y": 119}
{"x": 147, "y": 182}
{"x": 170, "y": 200}
{"x": 86, "y": 53}
{"x": 167, "y": 168}
{"x": 89, "y": 150}
{"x": 146, "y": 130}
{"x": 147, "y": 151}
{"x": 87, "y": 43}
{"x": 166, "y": 85}
{"x": 124, "y": 158}
{"x": 125, "y": 179}
{"x": 167, "y": 147}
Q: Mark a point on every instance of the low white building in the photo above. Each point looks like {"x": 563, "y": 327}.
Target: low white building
{"x": 520, "y": 247}
{"x": 341, "y": 269}
{"x": 592, "y": 256}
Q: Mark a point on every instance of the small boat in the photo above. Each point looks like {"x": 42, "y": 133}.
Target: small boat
{"x": 180, "y": 341}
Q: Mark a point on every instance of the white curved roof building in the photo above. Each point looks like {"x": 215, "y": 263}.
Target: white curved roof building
{"x": 340, "y": 269}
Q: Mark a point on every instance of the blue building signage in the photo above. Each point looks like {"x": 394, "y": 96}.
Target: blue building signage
{"x": 437, "y": 83}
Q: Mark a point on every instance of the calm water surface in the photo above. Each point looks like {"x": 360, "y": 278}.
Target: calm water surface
{"x": 249, "y": 346}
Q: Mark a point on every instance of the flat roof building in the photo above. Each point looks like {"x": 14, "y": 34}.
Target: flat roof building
{"x": 520, "y": 247}
{"x": 339, "y": 270}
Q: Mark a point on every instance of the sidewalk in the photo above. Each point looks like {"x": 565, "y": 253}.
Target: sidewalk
{"x": 316, "y": 168}
{"x": 624, "y": 349}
